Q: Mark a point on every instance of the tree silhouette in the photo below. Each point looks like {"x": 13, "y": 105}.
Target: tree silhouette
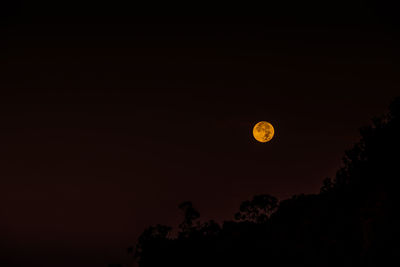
{"x": 258, "y": 209}
{"x": 353, "y": 221}
{"x": 369, "y": 183}
{"x": 190, "y": 214}
{"x": 153, "y": 240}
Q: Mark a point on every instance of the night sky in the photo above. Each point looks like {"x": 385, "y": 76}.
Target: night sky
{"x": 110, "y": 116}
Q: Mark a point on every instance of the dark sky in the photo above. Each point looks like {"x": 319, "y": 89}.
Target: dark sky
{"x": 112, "y": 115}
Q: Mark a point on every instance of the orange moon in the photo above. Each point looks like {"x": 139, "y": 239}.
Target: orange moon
{"x": 263, "y": 131}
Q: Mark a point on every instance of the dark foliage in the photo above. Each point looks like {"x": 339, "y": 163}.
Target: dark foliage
{"x": 258, "y": 209}
{"x": 353, "y": 221}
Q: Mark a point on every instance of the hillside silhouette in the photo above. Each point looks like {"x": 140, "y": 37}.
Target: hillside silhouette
{"x": 353, "y": 221}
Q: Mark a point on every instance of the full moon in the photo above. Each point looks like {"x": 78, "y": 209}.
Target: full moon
{"x": 263, "y": 131}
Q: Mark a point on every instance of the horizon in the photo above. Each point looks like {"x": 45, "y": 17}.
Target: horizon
{"x": 111, "y": 120}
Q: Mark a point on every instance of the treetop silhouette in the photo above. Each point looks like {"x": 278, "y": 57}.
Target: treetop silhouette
{"x": 353, "y": 221}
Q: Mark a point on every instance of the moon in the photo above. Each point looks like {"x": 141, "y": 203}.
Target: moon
{"x": 263, "y": 131}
